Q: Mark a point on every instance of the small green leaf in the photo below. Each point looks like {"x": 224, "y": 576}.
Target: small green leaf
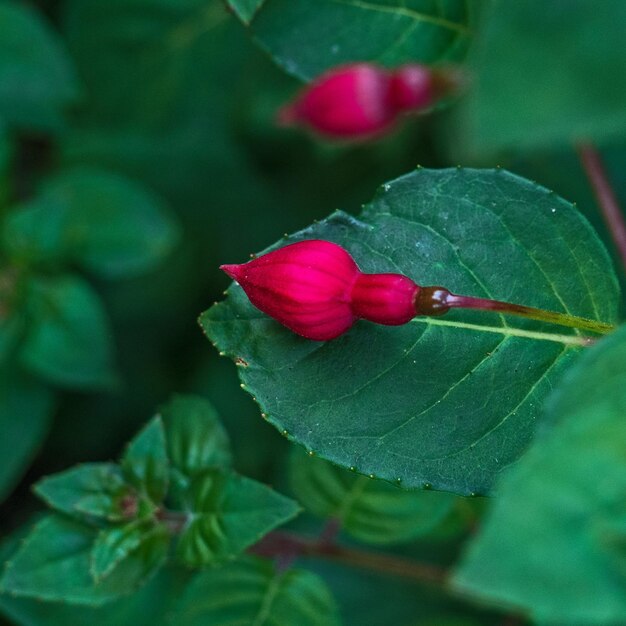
{"x": 145, "y": 462}
{"x": 68, "y": 340}
{"x": 26, "y": 408}
{"x": 227, "y": 514}
{"x": 91, "y": 490}
{"x": 550, "y": 81}
{"x": 554, "y": 543}
{"x": 113, "y": 545}
{"x": 372, "y": 511}
{"x": 396, "y": 33}
{"x": 196, "y": 439}
{"x": 449, "y": 401}
{"x": 37, "y": 80}
{"x": 109, "y": 224}
{"x": 251, "y": 591}
{"x": 54, "y": 563}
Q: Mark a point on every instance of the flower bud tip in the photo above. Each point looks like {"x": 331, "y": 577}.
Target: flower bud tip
{"x": 233, "y": 270}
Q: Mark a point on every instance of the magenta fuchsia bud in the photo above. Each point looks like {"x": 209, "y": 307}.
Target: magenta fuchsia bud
{"x": 412, "y": 88}
{"x": 360, "y": 101}
{"x": 316, "y": 289}
{"x": 384, "y": 298}
{"x": 349, "y": 101}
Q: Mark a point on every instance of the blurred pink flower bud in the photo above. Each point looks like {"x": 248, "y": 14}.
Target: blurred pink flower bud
{"x": 360, "y": 101}
{"x": 412, "y": 88}
{"x": 316, "y": 289}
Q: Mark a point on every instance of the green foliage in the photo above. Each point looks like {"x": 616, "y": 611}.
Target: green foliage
{"x": 37, "y": 78}
{"x": 227, "y": 514}
{"x": 196, "y": 439}
{"x": 347, "y": 400}
{"x": 251, "y": 591}
{"x": 67, "y": 339}
{"x": 149, "y": 605}
{"x": 87, "y": 491}
{"x": 54, "y": 563}
{"x": 121, "y": 533}
{"x": 103, "y": 222}
{"x": 372, "y": 511}
{"x": 138, "y": 151}
{"x": 547, "y": 82}
{"x": 145, "y": 463}
{"x": 25, "y": 416}
{"x": 559, "y": 516}
{"x": 397, "y": 32}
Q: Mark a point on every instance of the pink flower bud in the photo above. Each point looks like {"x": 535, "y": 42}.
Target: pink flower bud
{"x": 412, "y": 88}
{"x": 384, "y": 298}
{"x": 349, "y": 101}
{"x": 316, "y": 289}
{"x": 359, "y": 101}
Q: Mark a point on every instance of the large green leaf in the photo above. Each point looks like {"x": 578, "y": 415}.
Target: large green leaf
{"x": 105, "y": 222}
{"x": 227, "y": 514}
{"x": 371, "y": 510}
{"x": 54, "y": 564}
{"x": 37, "y": 80}
{"x": 307, "y": 38}
{"x": 26, "y": 408}
{"x": 68, "y": 340}
{"x": 555, "y": 541}
{"x": 251, "y": 591}
{"x": 548, "y": 73}
{"x": 444, "y": 401}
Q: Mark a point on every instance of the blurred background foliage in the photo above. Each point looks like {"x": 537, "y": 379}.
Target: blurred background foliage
{"x": 144, "y": 131}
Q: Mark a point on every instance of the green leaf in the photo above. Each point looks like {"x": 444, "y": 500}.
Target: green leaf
{"x": 549, "y": 81}
{"x": 560, "y": 517}
{"x": 251, "y": 591}
{"x": 372, "y": 511}
{"x": 68, "y": 340}
{"x": 229, "y": 513}
{"x": 196, "y": 440}
{"x": 87, "y": 491}
{"x": 114, "y": 545}
{"x": 26, "y": 408}
{"x": 387, "y": 32}
{"x": 54, "y": 562}
{"x": 37, "y": 80}
{"x": 448, "y": 401}
{"x": 145, "y": 463}
{"x": 107, "y": 223}
{"x": 148, "y": 605}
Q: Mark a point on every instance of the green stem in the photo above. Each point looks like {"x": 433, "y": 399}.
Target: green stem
{"x": 438, "y": 300}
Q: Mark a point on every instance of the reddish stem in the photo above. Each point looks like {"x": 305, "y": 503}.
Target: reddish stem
{"x": 278, "y": 543}
{"x": 529, "y": 312}
{"x": 605, "y": 195}
{"x": 438, "y": 300}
